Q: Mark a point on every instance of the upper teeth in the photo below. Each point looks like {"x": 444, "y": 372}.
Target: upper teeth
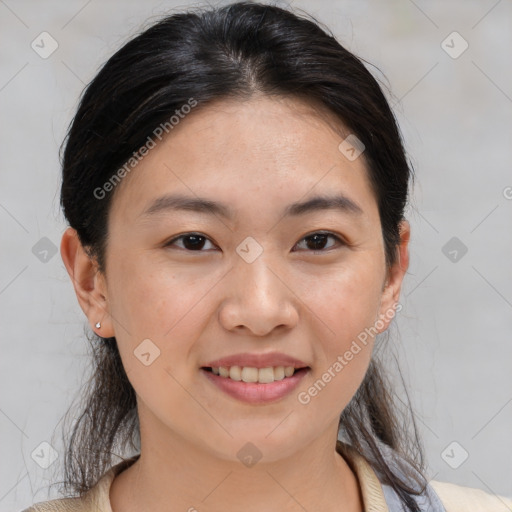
{"x": 251, "y": 374}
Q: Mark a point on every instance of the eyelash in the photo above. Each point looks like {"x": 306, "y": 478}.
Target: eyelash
{"x": 337, "y": 238}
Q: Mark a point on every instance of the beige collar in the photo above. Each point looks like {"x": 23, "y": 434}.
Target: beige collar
{"x": 371, "y": 488}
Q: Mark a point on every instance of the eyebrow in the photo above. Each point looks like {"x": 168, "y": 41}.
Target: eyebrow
{"x": 178, "y": 202}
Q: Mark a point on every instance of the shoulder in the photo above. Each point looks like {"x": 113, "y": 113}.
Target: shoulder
{"x": 59, "y": 505}
{"x": 457, "y": 498}
{"x": 436, "y": 496}
{"x": 96, "y": 499}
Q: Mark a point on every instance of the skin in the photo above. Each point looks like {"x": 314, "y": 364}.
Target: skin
{"x": 256, "y": 156}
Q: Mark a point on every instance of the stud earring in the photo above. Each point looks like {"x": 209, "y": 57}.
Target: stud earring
{"x": 98, "y": 325}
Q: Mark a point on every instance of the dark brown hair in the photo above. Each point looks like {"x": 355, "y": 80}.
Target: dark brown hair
{"x": 212, "y": 54}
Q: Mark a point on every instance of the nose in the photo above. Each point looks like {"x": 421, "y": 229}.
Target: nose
{"x": 258, "y": 299}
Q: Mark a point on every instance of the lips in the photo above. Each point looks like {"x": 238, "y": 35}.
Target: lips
{"x": 289, "y": 371}
{"x": 272, "y": 359}
{"x": 254, "y": 392}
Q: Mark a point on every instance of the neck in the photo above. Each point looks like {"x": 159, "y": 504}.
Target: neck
{"x": 177, "y": 476}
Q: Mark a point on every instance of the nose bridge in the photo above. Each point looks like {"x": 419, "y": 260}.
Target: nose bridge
{"x": 256, "y": 277}
{"x": 256, "y": 297}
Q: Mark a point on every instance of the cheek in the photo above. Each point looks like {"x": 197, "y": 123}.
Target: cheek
{"x": 343, "y": 353}
{"x": 147, "y": 298}
{"x": 152, "y": 314}
{"x": 345, "y": 308}
{"x": 160, "y": 304}
{"x": 345, "y": 302}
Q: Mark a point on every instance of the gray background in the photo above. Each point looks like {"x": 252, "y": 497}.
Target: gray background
{"x": 453, "y": 335}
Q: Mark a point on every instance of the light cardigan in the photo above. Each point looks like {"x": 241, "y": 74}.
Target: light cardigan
{"x": 376, "y": 497}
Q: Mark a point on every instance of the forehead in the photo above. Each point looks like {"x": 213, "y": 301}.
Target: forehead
{"x": 263, "y": 151}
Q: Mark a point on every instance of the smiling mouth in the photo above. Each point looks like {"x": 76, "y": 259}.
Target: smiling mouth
{"x": 255, "y": 375}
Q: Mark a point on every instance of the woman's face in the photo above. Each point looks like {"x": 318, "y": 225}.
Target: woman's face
{"x": 256, "y": 281}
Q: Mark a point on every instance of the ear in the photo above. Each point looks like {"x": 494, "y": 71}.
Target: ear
{"x": 395, "y": 275}
{"x": 89, "y": 283}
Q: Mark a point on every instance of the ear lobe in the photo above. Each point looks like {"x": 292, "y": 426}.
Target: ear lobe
{"x": 89, "y": 283}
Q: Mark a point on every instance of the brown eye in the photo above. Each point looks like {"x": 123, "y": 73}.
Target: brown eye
{"x": 318, "y": 241}
{"x": 191, "y": 242}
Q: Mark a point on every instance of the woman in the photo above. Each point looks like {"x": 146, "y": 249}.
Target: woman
{"x": 235, "y": 185}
